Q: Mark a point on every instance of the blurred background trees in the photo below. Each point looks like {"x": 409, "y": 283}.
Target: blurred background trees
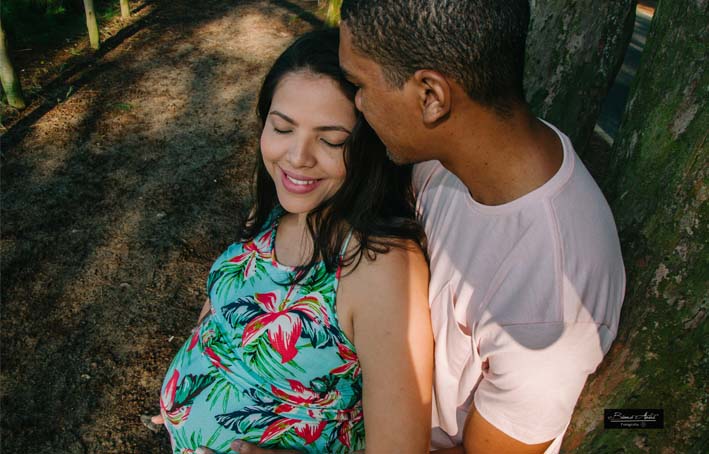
{"x": 8, "y": 76}
{"x": 91, "y": 23}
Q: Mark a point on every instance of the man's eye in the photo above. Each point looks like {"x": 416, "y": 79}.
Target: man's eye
{"x": 333, "y": 145}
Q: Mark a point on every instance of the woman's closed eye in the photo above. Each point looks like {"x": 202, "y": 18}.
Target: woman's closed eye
{"x": 334, "y": 144}
{"x": 282, "y": 131}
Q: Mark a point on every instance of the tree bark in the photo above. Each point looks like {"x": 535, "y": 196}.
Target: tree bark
{"x": 8, "y": 76}
{"x": 657, "y": 186}
{"x": 574, "y": 51}
{"x": 125, "y": 9}
{"x": 91, "y": 24}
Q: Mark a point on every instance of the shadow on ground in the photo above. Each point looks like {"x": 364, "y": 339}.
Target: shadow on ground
{"x": 115, "y": 201}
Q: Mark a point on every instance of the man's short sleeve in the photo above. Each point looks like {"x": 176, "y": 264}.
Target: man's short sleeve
{"x": 421, "y": 174}
{"x": 534, "y": 375}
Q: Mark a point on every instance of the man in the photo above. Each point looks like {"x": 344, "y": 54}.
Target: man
{"x": 527, "y": 278}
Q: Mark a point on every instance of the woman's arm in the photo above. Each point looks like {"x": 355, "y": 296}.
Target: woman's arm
{"x": 205, "y": 310}
{"x": 387, "y": 302}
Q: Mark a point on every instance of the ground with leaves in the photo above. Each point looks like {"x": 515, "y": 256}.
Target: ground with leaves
{"x": 121, "y": 183}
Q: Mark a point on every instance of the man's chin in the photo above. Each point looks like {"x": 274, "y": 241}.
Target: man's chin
{"x": 397, "y": 159}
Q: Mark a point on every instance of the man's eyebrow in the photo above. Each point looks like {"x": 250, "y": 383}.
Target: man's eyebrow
{"x": 319, "y": 128}
{"x": 348, "y": 75}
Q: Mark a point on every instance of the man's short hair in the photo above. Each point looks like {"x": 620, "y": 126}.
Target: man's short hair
{"x": 478, "y": 43}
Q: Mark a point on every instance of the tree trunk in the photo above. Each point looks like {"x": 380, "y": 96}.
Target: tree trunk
{"x": 125, "y": 9}
{"x": 657, "y": 186}
{"x": 91, "y": 24}
{"x": 574, "y": 51}
{"x": 8, "y": 76}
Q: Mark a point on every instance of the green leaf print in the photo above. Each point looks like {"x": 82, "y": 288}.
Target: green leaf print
{"x": 190, "y": 387}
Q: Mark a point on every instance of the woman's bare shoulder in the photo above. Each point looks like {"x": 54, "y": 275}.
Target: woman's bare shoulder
{"x": 389, "y": 276}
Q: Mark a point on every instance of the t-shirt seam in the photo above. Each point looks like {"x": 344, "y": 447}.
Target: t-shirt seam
{"x": 424, "y": 185}
{"x": 558, "y": 257}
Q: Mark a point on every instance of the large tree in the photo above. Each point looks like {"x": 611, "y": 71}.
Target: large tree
{"x": 574, "y": 51}
{"x": 8, "y": 76}
{"x": 657, "y": 185}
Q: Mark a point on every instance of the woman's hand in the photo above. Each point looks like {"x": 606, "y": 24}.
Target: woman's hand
{"x": 242, "y": 447}
{"x": 154, "y": 423}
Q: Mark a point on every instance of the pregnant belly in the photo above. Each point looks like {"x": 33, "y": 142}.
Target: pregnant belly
{"x": 209, "y": 398}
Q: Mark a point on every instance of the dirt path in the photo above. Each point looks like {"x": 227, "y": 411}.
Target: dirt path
{"x": 115, "y": 202}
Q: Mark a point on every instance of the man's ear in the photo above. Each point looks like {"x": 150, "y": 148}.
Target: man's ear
{"x": 434, "y": 95}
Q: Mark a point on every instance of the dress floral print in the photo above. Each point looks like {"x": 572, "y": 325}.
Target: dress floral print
{"x": 269, "y": 365}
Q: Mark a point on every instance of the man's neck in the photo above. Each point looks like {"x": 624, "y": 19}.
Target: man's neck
{"x": 502, "y": 159}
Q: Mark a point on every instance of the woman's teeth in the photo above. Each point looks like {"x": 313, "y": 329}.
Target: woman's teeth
{"x": 300, "y": 182}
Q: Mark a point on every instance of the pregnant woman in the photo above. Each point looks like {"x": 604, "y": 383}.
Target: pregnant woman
{"x": 316, "y": 334}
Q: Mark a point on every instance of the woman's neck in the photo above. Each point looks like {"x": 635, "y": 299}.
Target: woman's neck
{"x": 293, "y": 242}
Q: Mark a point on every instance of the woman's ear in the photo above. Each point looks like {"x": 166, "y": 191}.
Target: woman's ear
{"x": 434, "y": 95}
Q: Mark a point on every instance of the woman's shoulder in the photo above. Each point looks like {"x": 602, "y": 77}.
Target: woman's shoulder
{"x": 389, "y": 274}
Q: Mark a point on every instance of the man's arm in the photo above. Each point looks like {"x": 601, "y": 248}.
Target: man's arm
{"x": 481, "y": 437}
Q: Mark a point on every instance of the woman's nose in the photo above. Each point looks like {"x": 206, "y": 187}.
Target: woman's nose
{"x": 300, "y": 154}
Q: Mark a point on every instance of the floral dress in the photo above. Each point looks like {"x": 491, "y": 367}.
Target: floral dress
{"x": 270, "y": 363}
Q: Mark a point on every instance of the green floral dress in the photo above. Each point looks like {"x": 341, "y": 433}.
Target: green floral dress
{"x": 269, "y": 365}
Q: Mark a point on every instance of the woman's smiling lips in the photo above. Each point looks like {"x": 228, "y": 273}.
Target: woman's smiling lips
{"x": 298, "y": 184}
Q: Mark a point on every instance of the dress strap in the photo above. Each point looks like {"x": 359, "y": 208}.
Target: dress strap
{"x": 345, "y": 244}
{"x": 341, "y": 257}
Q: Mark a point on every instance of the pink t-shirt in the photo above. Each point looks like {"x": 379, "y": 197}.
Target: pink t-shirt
{"x": 525, "y": 299}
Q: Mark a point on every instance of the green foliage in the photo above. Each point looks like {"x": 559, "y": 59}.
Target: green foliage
{"x": 123, "y": 106}
{"x": 331, "y": 10}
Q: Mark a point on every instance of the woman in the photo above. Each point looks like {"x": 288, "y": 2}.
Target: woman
{"x": 316, "y": 331}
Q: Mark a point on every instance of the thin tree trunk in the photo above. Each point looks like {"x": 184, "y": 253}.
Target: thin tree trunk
{"x": 658, "y": 186}
{"x": 8, "y": 76}
{"x": 574, "y": 51}
{"x": 332, "y": 12}
{"x": 125, "y": 9}
{"x": 91, "y": 23}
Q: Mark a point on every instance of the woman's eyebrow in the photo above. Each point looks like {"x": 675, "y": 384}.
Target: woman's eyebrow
{"x": 333, "y": 128}
{"x": 319, "y": 128}
{"x": 284, "y": 116}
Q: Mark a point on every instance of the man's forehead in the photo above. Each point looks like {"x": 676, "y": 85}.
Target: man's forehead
{"x": 353, "y": 63}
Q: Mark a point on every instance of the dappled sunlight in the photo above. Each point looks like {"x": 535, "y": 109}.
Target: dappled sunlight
{"x": 116, "y": 200}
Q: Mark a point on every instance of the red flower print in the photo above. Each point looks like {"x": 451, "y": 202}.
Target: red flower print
{"x": 305, "y": 396}
{"x": 283, "y": 321}
{"x": 215, "y": 359}
{"x": 351, "y": 362}
{"x": 309, "y": 431}
{"x": 175, "y": 416}
{"x": 194, "y": 339}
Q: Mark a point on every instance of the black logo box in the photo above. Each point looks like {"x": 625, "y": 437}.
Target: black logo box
{"x": 633, "y": 418}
